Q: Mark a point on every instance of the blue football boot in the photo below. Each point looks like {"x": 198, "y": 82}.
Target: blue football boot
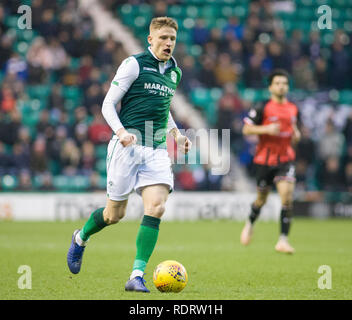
{"x": 136, "y": 284}
{"x": 74, "y": 255}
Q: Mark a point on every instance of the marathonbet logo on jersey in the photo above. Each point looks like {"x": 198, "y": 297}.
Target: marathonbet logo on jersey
{"x": 156, "y": 88}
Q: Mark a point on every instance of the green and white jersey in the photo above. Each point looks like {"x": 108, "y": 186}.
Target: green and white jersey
{"x": 146, "y": 86}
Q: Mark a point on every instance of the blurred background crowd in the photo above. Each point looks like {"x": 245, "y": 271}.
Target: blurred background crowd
{"x": 54, "y": 78}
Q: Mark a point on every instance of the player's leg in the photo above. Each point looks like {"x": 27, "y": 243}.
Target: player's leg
{"x": 285, "y": 189}
{"x": 264, "y": 177}
{"x": 102, "y": 217}
{"x": 98, "y": 220}
{"x": 247, "y": 231}
{"x": 154, "y": 199}
{"x": 121, "y": 177}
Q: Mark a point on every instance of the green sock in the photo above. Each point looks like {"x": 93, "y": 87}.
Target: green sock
{"x": 146, "y": 240}
{"x": 94, "y": 224}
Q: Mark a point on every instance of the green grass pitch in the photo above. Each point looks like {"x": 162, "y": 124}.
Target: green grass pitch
{"x": 218, "y": 266}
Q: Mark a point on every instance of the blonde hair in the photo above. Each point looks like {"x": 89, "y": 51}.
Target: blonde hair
{"x": 159, "y": 22}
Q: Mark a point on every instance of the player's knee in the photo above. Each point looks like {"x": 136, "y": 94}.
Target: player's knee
{"x": 287, "y": 201}
{"x": 287, "y": 205}
{"x": 156, "y": 209}
{"x": 259, "y": 202}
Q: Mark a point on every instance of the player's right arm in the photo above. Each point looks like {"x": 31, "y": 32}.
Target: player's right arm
{"x": 126, "y": 74}
{"x": 253, "y": 123}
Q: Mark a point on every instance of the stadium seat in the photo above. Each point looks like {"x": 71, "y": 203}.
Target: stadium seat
{"x": 79, "y": 183}
{"x": 61, "y": 183}
{"x": 11, "y": 22}
{"x": 200, "y": 96}
{"x": 176, "y": 11}
{"x": 345, "y": 97}
{"x": 38, "y": 91}
{"x": 101, "y": 166}
{"x": 100, "y": 152}
{"x": 9, "y": 182}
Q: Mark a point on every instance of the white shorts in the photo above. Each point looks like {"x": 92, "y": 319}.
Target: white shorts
{"x": 134, "y": 167}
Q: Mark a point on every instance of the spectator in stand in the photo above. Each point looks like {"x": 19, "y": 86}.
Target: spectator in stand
{"x": 17, "y": 66}
{"x": 160, "y": 8}
{"x": 85, "y": 68}
{"x": 43, "y": 124}
{"x": 94, "y": 180}
{"x": 24, "y": 181}
{"x": 58, "y": 57}
{"x": 4, "y": 160}
{"x": 233, "y": 29}
{"x": 6, "y": 51}
{"x": 331, "y": 177}
{"x": 321, "y": 75}
{"x": 80, "y": 134}
{"x": 88, "y": 159}
{"x": 185, "y": 179}
{"x": 70, "y": 157}
{"x": 339, "y": 59}
{"x": 105, "y": 54}
{"x": 99, "y": 131}
{"x": 190, "y": 80}
{"x": 296, "y": 45}
{"x": 48, "y": 26}
{"x": 313, "y": 50}
{"x": 206, "y": 181}
{"x": 7, "y": 99}
{"x": 24, "y": 138}
{"x": 348, "y": 177}
{"x": 347, "y": 130}
{"x": 305, "y": 149}
{"x": 64, "y": 121}
{"x": 56, "y": 101}
{"x": 200, "y": 33}
{"x": 279, "y": 59}
{"x": 303, "y": 74}
{"x": 254, "y": 74}
{"x": 225, "y": 71}
{"x": 229, "y": 106}
{"x": 235, "y": 50}
{"x": 93, "y": 97}
{"x": 331, "y": 143}
{"x": 9, "y": 127}
{"x": 20, "y": 158}
{"x": 46, "y": 182}
{"x": 54, "y": 148}
{"x": 38, "y": 156}
{"x": 38, "y": 60}
{"x": 217, "y": 40}
{"x": 3, "y": 27}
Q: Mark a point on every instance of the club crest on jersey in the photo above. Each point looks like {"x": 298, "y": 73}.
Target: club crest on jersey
{"x": 173, "y": 76}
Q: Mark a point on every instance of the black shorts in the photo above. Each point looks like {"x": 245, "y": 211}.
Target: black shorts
{"x": 266, "y": 176}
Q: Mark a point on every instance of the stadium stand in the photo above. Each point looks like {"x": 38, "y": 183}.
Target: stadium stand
{"x": 54, "y": 78}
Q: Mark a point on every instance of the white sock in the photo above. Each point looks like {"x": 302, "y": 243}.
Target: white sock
{"x": 283, "y": 237}
{"x": 136, "y": 273}
{"x": 79, "y": 241}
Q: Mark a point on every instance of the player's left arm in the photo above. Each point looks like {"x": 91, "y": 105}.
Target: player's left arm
{"x": 182, "y": 141}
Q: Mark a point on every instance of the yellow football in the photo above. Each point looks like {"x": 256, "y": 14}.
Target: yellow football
{"x": 170, "y": 276}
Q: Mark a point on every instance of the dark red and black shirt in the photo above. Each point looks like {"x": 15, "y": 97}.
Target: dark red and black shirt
{"x": 273, "y": 150}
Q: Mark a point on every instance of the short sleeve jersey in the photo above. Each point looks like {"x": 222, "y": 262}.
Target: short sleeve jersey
{"x": 273, "y": 150}
{"x": 150, "y": 85}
